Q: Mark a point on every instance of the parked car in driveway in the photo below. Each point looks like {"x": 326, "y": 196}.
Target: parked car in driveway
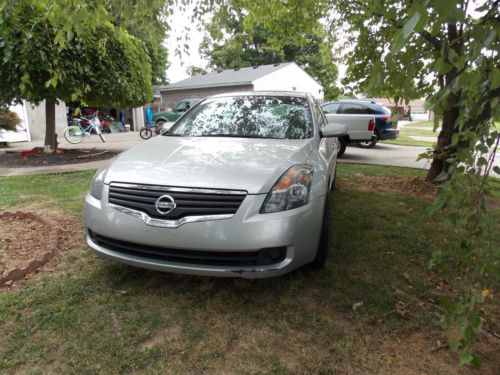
{"x": 160, "y": 118}
{"x": 239, "y": 187}
{"x": 383, "y": 118}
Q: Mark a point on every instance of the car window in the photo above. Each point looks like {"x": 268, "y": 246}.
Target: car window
{"x": 386, "y": 111}
{"x": 350, "y": 108}
{"x": 251, "y": 116}
{"x": 331, "y": 108}
{"x": 318, "y": 115}
{"x": 181, "y": 107}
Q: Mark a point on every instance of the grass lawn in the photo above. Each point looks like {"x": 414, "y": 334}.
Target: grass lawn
{"x": 406, "y": 132}
{"x": 373, "y": 309}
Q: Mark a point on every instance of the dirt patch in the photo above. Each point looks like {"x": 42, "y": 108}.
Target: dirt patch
{"x": 28, "y": 241}
{"x": 164, "y": 337}
{"x": 394, "y": 184}
{"x": 20, "y": 240}
{"x": 35, "y": 235}
{"x": 36, "y": 157}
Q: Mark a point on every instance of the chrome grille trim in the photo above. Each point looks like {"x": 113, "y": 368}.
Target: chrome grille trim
{"x": 191, "y": 204}
{"x": 172, "y": 224}
{"x": 177, "y": 189}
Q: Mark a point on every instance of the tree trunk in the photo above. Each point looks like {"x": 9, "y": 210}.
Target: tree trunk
{"x": 450, "y": 115}
{"x": 50, "y": 126}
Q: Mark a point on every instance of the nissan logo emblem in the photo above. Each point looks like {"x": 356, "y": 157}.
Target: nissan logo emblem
{"x": 165, "y": 204}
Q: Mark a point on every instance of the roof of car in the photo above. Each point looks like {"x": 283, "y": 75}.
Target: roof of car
{"x": 355, "y": 101}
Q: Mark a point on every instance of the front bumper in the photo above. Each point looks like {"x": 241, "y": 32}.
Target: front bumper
{"x": 298, "y": 230}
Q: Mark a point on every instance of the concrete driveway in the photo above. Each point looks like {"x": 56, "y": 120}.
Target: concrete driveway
{"x": 385, "y": 154}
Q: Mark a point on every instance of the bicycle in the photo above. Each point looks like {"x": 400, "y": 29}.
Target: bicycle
{"x": 147, "y": 131}
{"x": 74, "y": 133}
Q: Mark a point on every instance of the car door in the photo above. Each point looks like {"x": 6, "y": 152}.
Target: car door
{"x": 357, "y": 120}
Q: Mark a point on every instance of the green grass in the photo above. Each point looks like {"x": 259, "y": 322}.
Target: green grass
{"x": 406, "y": 133}
{"x": 422, "y": 124}
{"x": 60, "y": 191}
{"x": 91, "y": 316}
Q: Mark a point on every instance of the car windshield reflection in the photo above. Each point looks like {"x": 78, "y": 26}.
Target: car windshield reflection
{"x": 276, "y": 117}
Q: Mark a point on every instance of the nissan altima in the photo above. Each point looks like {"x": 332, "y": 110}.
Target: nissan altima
{"x": 239, "y": 186}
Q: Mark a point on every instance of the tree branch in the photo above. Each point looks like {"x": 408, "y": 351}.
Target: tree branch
{"x": 435, "y": 42}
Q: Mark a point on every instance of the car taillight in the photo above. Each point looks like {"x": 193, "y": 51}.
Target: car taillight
{"x": 385, "y": 118}
{"x": 371, "y": 125}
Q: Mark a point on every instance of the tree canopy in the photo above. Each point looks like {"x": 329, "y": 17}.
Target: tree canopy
{"x": 445, "y": 50}
{"x": 101, "y": 53}
{"x": 230, "y": 43}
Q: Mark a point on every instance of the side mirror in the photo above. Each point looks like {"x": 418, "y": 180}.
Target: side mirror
{"x": 333, "y": 130}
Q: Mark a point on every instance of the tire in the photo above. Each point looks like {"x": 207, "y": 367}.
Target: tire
{"x": 324, "y": 241}
{"x": 73, "y": 134}
{"x": 145, "y": 133}
{"x": 343, "y": 146}
{"x": 372, "y": 143}
{"x": 334, "y": 182}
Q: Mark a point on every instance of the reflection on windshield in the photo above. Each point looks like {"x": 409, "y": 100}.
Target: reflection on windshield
{"x": 279, "y": 117}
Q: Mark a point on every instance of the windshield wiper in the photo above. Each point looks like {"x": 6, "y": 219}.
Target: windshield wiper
{"x": 233, "y": 136}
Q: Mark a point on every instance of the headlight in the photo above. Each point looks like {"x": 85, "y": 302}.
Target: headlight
{"x": 97, "y": 184}
{"x": 290, "y": 191}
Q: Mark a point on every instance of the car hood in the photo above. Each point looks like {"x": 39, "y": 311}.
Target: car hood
{"x": 249, "y": 164}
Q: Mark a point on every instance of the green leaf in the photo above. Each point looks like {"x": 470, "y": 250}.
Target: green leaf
{"x": 466, "y": 358}
{"x": 496, "y": 169}
{"x": 454, "y": 345}
{"x": 441, "y": 177}
{"x": 482, "y": 161}
{"x": 60, "y": 39}
{"x": 410, "y": 24}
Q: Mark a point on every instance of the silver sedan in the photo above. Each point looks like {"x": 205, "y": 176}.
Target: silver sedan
{"x": 239, "y": 187}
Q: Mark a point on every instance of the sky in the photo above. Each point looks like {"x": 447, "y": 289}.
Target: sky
{"x": 177, "y": 70}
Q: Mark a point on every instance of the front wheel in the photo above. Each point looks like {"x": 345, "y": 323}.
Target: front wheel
{"x": 343, "y": 146}
{"x": 371, "y": 143}
{"x": 145, "y": 133}
{"x": 324, "y": 241}
{"x": 73, "y": 134}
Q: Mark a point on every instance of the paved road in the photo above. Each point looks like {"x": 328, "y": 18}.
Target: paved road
{"x": 381, "y": 154}
{"x": 385, "y": 154}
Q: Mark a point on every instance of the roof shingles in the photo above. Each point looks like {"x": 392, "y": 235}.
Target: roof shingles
{"x": 230, "y": 77}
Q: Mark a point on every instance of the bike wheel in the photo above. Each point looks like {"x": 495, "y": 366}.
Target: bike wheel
{"x": 73, "y": 134}
{"x": 145, "y": 133}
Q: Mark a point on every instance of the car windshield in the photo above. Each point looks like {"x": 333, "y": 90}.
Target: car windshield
{"x": 281, "y": 117}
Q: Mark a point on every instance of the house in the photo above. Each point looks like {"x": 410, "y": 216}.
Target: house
{"x": 284, "y": 76}
{"x": 418, "y": 107}
{"x": 32, "y": 117}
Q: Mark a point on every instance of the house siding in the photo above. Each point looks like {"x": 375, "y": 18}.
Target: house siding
{"x": 290, "y": 78}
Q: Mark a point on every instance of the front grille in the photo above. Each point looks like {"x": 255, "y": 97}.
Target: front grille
{"x": 263, "y": 257}
{"x": 189, "y": 202}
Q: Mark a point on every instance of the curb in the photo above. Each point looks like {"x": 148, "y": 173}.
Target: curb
{"x": 34, "y": 264}
{"x": 63, "y": 168}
